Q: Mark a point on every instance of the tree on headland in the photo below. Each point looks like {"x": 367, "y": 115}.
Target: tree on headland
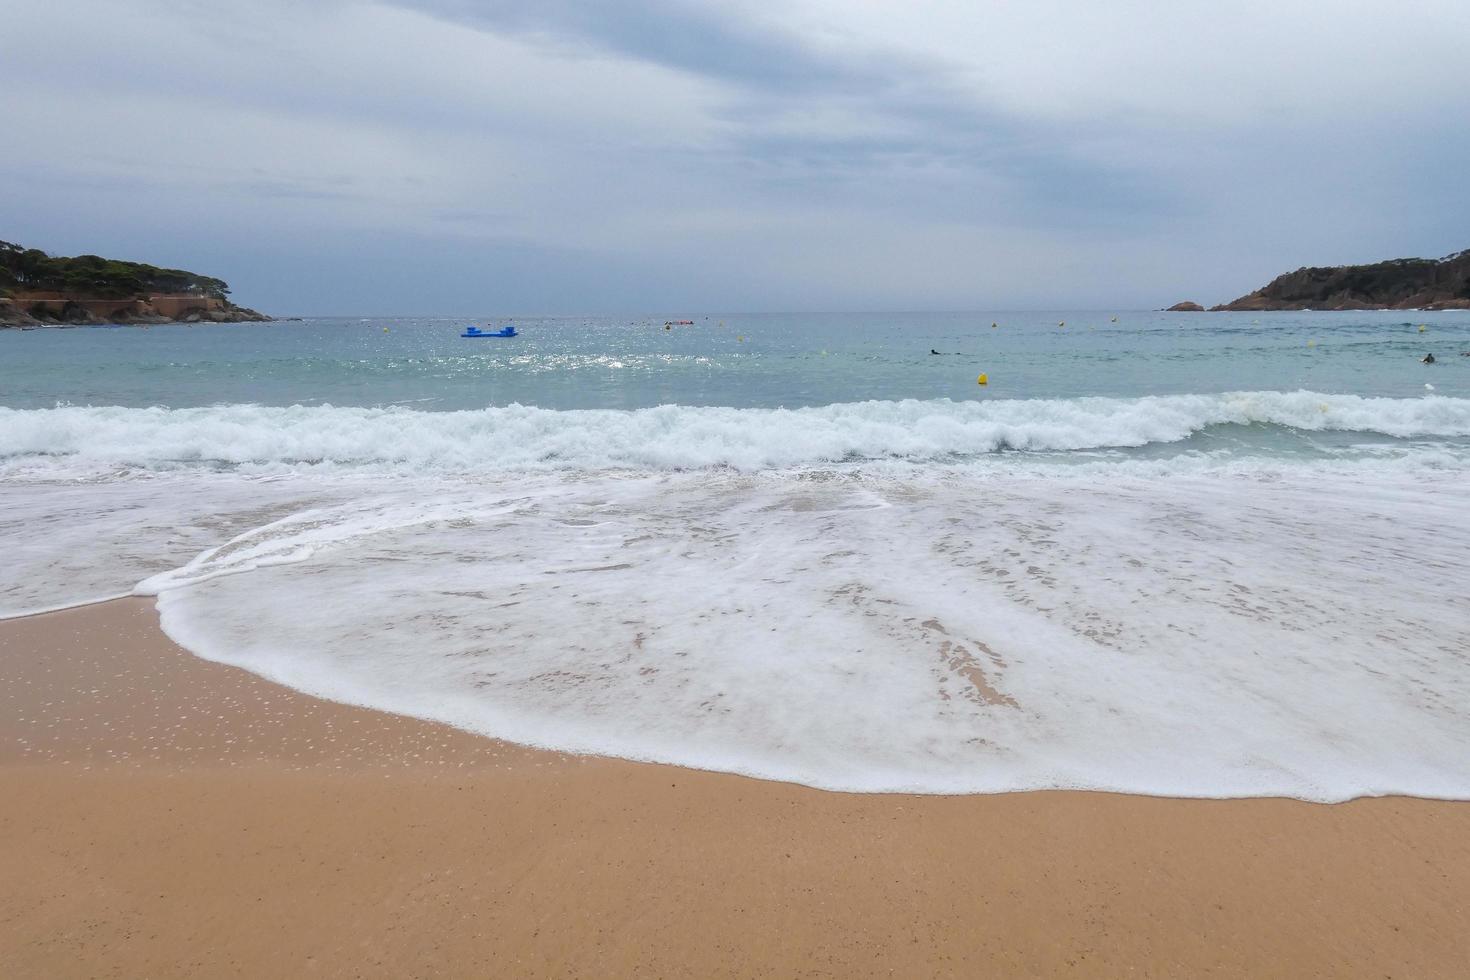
{"x": 31, "y": 269}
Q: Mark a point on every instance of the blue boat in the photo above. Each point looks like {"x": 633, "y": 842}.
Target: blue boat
{"x": 502, "y": 332}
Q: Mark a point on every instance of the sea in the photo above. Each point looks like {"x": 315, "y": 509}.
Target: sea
{"x": 1197, "y": 555}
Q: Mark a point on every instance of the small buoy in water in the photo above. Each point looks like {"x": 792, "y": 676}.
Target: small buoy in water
{"x": 385, "y": 329}
{"x": 1311, "y": 343}
{"x": 994, "y": 325}
{"x": 1115, "y": 320}
{"x": 740, "y": 339}
{"x": 1423, "y": 327}
{"x": 1061, "y": 323}
{"x": 984, "y": 379}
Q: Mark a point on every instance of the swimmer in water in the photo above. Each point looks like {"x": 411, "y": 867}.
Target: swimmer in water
{"x": 1427, "y": 359}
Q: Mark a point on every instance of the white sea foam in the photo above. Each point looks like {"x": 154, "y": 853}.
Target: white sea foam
{"x": 1211, "y": 635}
{"x": 70, "y": 543}
{"x": 268, "y": 439}
{"x": 801, "y": 595}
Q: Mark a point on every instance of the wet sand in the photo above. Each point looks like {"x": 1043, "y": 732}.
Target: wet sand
{"x": 164, "y": 816}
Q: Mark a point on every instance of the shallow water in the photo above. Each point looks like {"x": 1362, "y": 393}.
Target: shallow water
{"x": 1192, "y": 555}
{"x": 767, "y": 361}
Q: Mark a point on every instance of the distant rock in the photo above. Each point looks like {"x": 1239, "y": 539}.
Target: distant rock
{"x": 12, "y": 316}
{"x": 141, "y": 317}
{"x": 1186, "y": 307}
{"x": 242, "y": 314}
{"x": 37, "y": 289}
{"x": 74, "y": 312}
{"x": 1398, "y": 284}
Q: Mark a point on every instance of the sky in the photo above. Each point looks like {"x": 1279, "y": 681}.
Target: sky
{"x": 480, "y": 157}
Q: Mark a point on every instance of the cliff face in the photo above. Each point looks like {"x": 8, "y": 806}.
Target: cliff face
{"x": 74, "y": 309}
{"x": 37, "y": 289}
{"x": 1399, "y": 284}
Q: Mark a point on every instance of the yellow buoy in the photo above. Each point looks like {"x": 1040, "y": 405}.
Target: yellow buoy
{"x": 1422, "y": 328}
{"x": 741, "y": 339}
{"x": 984, "y": 379}
{"x": 1311, "y": 343}
{"x": 385, "y": 329}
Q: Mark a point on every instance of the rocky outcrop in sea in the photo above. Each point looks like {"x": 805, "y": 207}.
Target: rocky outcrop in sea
{"x": 1398, "y": 284}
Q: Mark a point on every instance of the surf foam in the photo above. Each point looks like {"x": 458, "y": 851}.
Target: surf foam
{"x": 87, "y": 440}
{"x": 72, "y": 543}
{"x": 802, "y": 595}
{"x": 1196, "y": 636}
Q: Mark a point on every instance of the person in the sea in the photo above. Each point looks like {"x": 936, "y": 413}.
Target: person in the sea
{"x": 1427, "y": 359}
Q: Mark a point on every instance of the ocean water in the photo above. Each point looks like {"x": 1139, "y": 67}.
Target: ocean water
{"x": 1196, "y": 555}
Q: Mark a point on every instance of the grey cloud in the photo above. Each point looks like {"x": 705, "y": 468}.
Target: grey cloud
{"x": 921, "y": 116}
{"x": 792, "y": 171}
{"x": 664, "y": 32}
{"x": 291, "y": 190}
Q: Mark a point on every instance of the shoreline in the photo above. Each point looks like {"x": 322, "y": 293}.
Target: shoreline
{"x": 36, "y": 323}
{"x": 166, "y": 815}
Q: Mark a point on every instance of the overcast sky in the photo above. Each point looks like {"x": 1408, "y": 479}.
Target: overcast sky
{"x": 664, "y": 156}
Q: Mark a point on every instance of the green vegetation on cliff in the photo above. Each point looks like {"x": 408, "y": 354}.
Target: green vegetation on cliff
{"x": 37, "y": 289}
{"x": 32, "y": 270}
{"x": 1398, "y": 284}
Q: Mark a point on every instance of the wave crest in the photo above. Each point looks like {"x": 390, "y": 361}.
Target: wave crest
{"x": 679, "y": 437}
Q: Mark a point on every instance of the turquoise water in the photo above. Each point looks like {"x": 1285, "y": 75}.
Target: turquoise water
{"x": 1193, "y": 555}
{"x": 766, "y": 361}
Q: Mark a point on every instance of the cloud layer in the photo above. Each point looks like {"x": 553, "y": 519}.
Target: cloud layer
{"x": 653, "y": 155}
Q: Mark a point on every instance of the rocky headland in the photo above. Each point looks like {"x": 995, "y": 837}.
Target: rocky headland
{"x": 1398, "y": 284}
{"x": 37, "y": 289}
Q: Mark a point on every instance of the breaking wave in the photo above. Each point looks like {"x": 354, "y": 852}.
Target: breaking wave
{"x": 675, "y": 437}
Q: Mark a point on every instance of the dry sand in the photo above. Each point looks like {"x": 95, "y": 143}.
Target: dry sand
{"x": 164, "y": 816}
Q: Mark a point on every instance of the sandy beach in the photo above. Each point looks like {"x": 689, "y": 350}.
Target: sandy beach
{"x": 730, "y": 490}
{"x": 165, "y": 816}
